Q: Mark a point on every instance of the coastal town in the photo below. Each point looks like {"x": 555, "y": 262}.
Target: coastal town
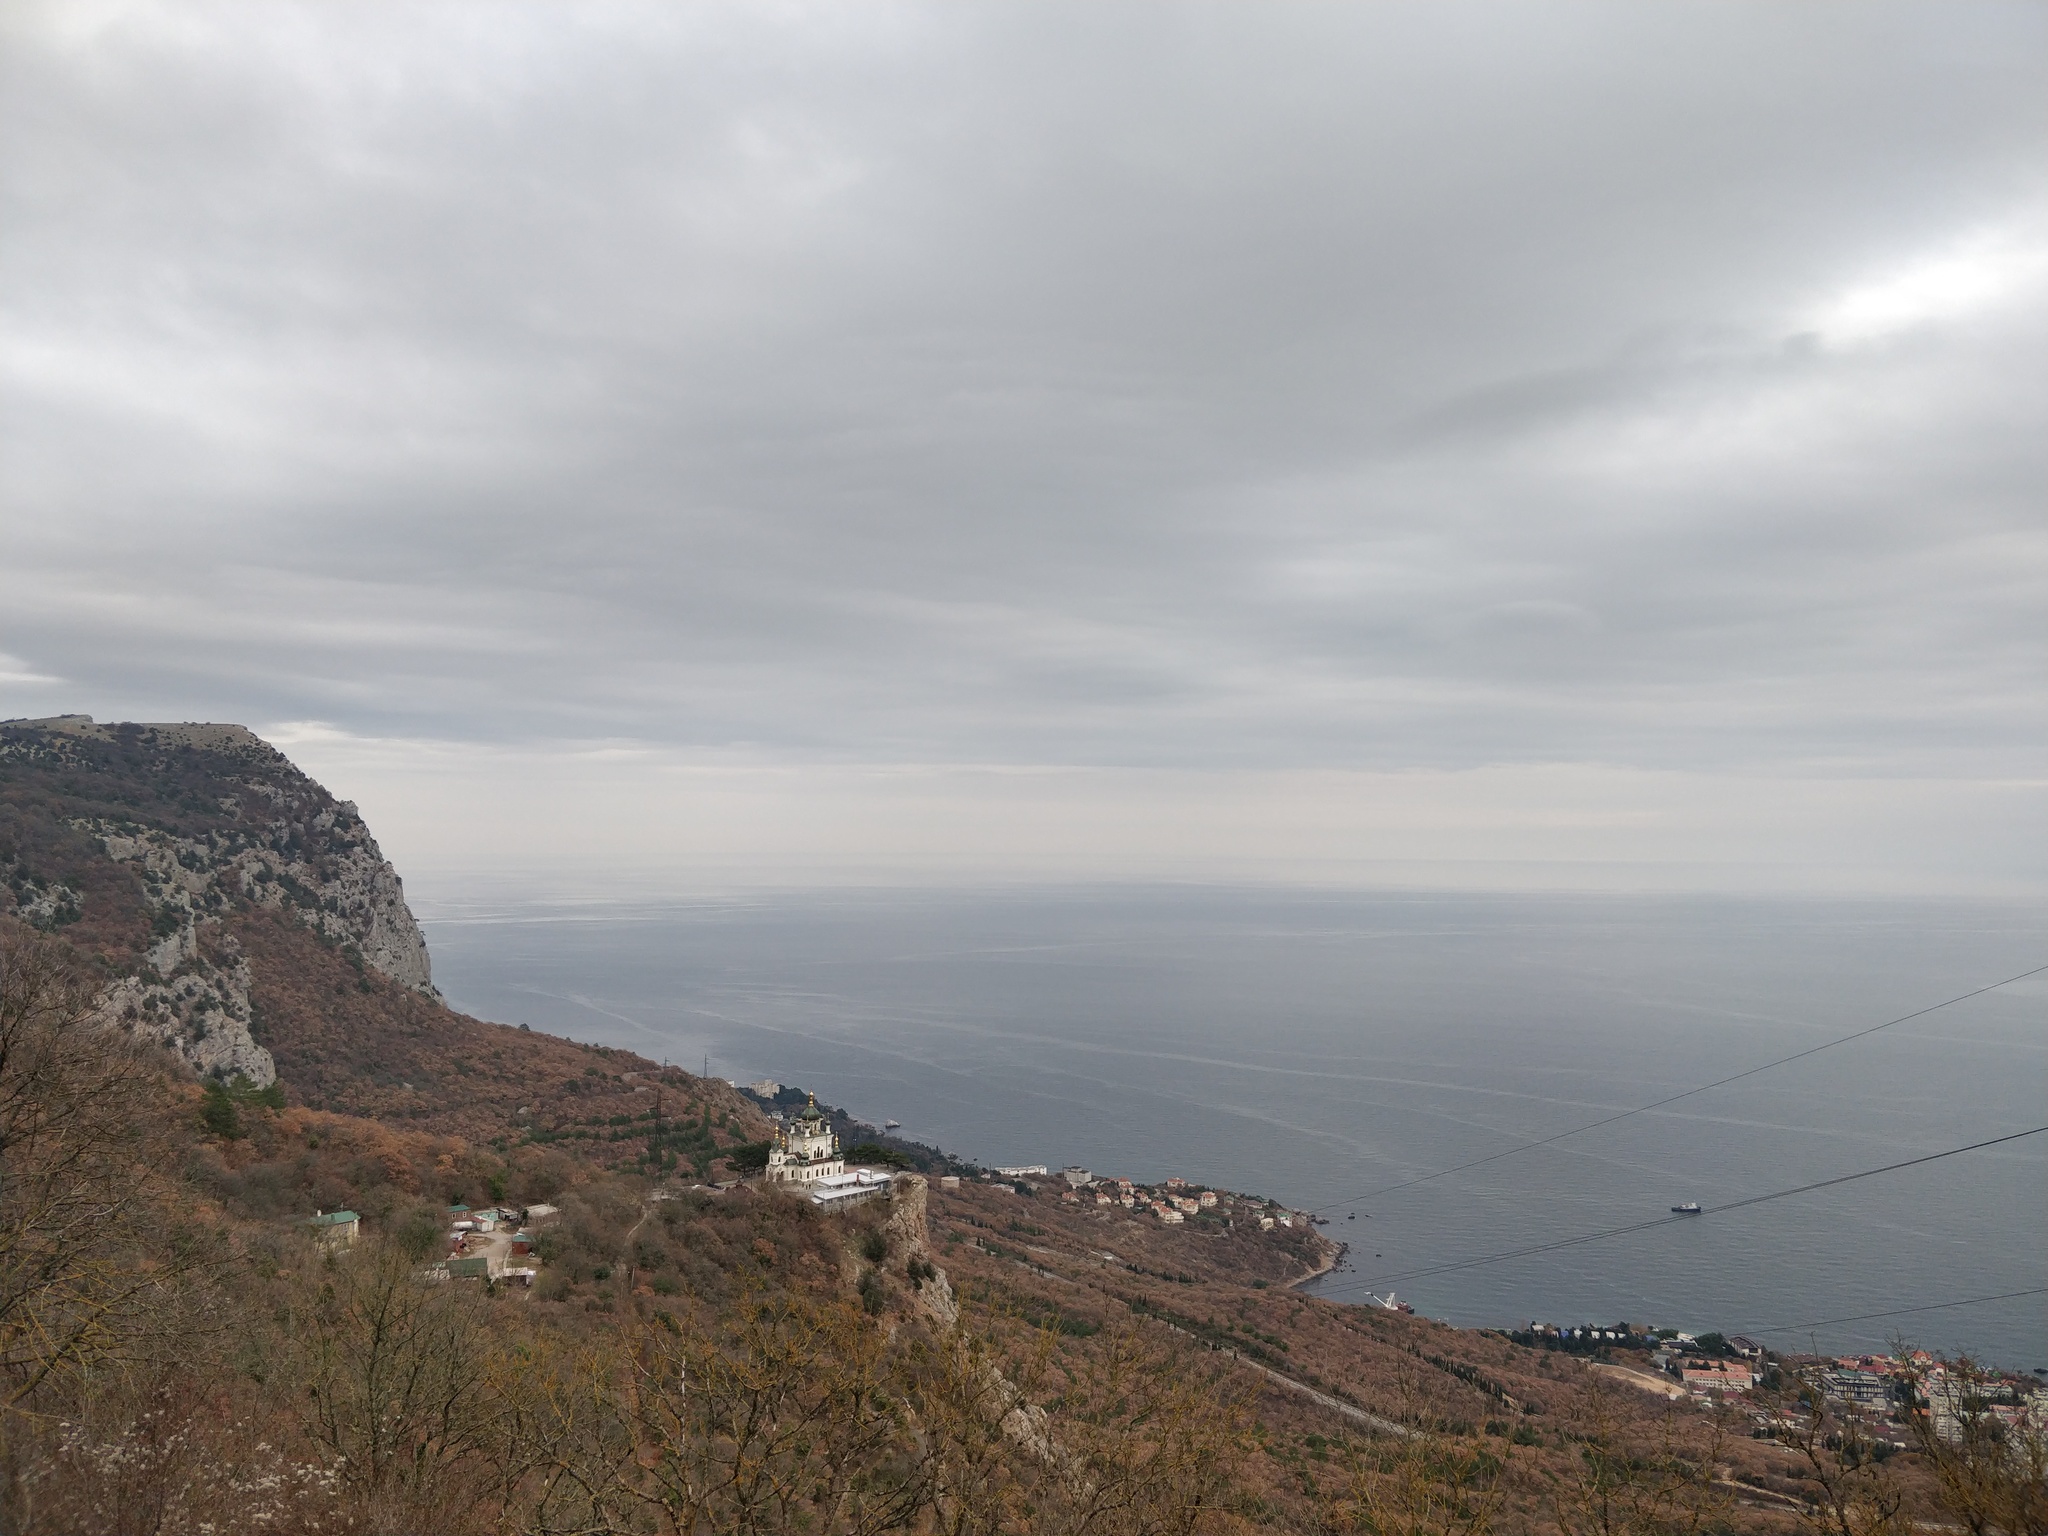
{"x": 1873, "y": 1392}
{"x": 806, "y": 1153}
{"x": 805, "y": 1157}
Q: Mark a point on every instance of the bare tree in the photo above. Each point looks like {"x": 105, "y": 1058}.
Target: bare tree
{"x": 383, "y": 1369}
{"x": 1424, "y": 1482}
{"x": 1426, "y": 1485}
{"x": 776, "y": 1417}
{"x": 982, "y": 1444}
{"x": 82, "y": 1267}
{"x": 1143, "y": 1439}
{"x": 1631, "y": 1479}
{"x": 1859, "y": 1496}
{"x": 1988, "y": 1449}
{"x": 169, "y": 1452}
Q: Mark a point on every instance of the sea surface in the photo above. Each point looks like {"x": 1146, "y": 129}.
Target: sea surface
{"x": 1321, "y": 1048}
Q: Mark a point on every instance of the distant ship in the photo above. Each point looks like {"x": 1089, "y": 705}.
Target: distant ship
{"x": 890, "y": 1125}
{"x": 1690, "y": 1208}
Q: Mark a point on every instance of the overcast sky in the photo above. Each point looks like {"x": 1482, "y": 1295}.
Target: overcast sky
{"x": 1052, "y": 440}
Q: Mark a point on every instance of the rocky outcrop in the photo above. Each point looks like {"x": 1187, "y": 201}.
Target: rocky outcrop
{"x": 199, "y": 1009}
{"x": 221, "y": 822}
{"x": 325, "y": 869}
{"x": 283, "y": 848}
{"x": 907, "y": 1229}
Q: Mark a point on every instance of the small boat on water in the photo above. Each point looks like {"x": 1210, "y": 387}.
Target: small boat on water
{"x": 1690, "y": 1208}
{"x": 890, "y": 1125}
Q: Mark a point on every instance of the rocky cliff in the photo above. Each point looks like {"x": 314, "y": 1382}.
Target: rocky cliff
{"x": 245, "y": 918}
{"x": 208, "y": 823}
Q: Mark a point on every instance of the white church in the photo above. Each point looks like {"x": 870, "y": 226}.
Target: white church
{"x": 805, "y": 1150}
{"x": 806, "y": 1153}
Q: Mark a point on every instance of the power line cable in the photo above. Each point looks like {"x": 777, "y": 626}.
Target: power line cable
{"x": 1665, "y": 1221}
{"x": 1643, "y": 1109}
{"x": 1848, "y": 1178}
{"x": 1933, "y": 1306}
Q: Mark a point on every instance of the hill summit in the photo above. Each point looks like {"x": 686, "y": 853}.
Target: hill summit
{"x": 245, "y": 919}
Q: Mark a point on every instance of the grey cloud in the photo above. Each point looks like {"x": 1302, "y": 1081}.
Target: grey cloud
{"x": 1117, "y": 384}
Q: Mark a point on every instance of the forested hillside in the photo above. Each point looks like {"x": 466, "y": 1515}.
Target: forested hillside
{"x": 181, "y": 1353}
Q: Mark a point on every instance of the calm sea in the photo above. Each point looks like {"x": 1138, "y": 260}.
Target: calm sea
{"x": 1319, "y": 1047}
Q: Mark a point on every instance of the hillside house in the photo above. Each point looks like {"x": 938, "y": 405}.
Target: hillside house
{"x": 335, "y": 1229}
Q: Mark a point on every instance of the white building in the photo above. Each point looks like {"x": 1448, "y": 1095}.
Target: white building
{"x": 805, "y": 1150}
{"x": 840, "y": 1189}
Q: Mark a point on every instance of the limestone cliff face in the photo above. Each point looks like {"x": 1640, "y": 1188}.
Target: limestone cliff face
{"x": 908, "y": 1230}
{"x": 207, "y": 820}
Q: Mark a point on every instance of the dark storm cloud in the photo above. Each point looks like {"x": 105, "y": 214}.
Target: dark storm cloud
{"x": 1263, "y": 386}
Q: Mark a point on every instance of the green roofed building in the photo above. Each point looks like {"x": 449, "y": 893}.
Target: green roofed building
{"x": 335, "y": 1229}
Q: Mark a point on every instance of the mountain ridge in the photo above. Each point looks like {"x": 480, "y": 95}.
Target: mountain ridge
{"x": 242, "y": 917}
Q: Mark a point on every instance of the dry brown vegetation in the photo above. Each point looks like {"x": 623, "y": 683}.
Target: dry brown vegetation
{"x": 177, "y": 1358}
{"x": 361, "y": 1045}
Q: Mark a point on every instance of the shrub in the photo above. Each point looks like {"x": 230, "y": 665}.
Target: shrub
{"x": 875, "y": 1152}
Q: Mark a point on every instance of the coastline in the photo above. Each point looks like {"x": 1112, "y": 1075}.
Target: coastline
{"x": 1333, "y": 1255}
